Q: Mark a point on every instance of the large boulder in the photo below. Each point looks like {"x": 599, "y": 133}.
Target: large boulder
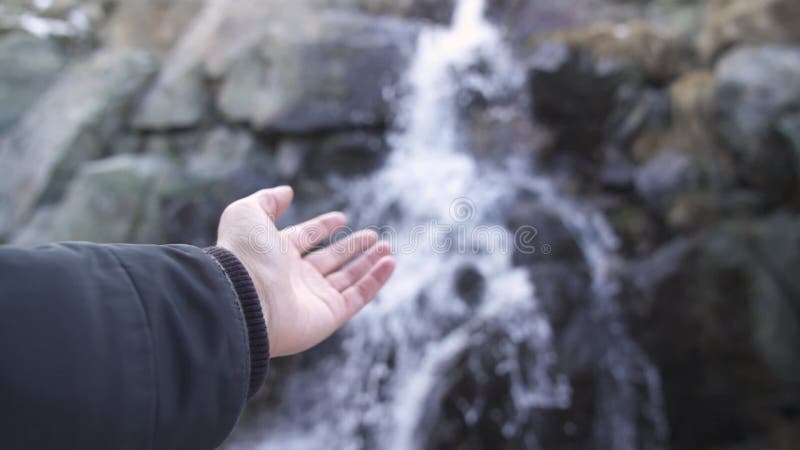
{"x": 281, "y": 68}
{"x": 577, "y": 95}
{"x": 736, "y": 22}
{"x": 330, "y": 72}
{"x": 108, "y": 201}
{"x": 720, "y": 316}
{"x": 179, "y": 98}
{"x": 757, "y": 92}
{"x": 150, "y": 199}
{"x": 30, "y": 65}
{"x": 71, "y": 123}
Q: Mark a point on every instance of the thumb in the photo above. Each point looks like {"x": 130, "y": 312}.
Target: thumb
{"x": 275, "y": 201}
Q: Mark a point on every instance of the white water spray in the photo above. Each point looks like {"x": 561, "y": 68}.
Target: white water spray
{"x": 389, "y": 376}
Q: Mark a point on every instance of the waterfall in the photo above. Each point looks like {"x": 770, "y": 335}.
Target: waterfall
{"x": 384, "y": 381}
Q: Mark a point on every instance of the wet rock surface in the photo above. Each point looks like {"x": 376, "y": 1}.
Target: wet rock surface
{"x": 30, "y": 65}
{"x": 756, "y": 94}
{"x": 73, "y": 122}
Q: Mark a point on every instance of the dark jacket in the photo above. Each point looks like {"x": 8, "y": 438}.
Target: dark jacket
{"x": 125, "y": 346}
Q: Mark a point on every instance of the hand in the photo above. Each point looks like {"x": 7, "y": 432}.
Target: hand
{"x": 305, "y": 295}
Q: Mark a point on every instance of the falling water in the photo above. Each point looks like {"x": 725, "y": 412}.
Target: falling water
{"x": 383, "y": 384}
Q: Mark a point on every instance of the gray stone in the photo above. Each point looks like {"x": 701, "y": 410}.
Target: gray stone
{"x": 173, "y": 104}
{"x": 721, "y": 319}
{"x": 661, "y": 178}
{"x": 29, "y": 65}
{"x": 541, "y": 236}
{"x": 281, "y": 67}
{"x": 330, "y": 72}
{"x": 179, "y": 98}
{"x": 346, "y": 154}
{"x": 140, "y": 198}
{"x": 576, "y": 94}
{"x": 108, "y": 201}
{"x": 71, "y": 123}
{"x": 434, "y": 10}
{"x": 223, "y": 153}
{"x": 755, "y": 88}
{"x": 290, "y": 156}
{"x": 789, "y": 128}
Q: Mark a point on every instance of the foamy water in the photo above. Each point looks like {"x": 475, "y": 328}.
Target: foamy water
{"x": 386, "y": 380}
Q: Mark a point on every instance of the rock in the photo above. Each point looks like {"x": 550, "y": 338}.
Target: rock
{"x": 281, "y": 69}
{"x": 440, "y": 11}
{"x": 660, "y": 54}
{"x": 663, "y": 177}
{"x": 148, "y": 199}
{"x": 635, "y": 225}
{"x": 470, "y": 285}
{"x": 177, "y": 104}
{"x": 498, "y": 130}
{"x": 730, "y": 23}
{"x": 179, "y": 99}
{"x": 346, "y": 154}
{"x": 472, "y": 402}
{"x": 689, "y": 132}
{"x": 30, "y": 65}
{"x": 540, "y": 235}
{"x": 721, "y": 318}
{"x": 692, "y": 101}
{"x": 563, "y": 291}
{"x": 789, "y": 129}
{"x": 575, "y": 94}
{"x": 154, "y": 25}
{"x": 684, "y": 175}
{"x": 108, "y": 201}
{"x": 692, "y": 210}
{"x": 755, "y": 88}
{"x": 70, "y": 123}
{"x": 572, "y": 390}
{"x": 326, "y": 75}
{"x": 223, "y": 152}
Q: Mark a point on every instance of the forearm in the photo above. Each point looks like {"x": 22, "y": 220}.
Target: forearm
{"x": 124, "y": 346}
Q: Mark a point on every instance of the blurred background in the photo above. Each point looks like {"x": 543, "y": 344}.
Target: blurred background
{"x": 650, "y": 150}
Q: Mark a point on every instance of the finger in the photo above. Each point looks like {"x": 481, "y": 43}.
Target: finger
{"x": 274, "y": 201}
{"x": 308, "y": 235}
{"x": 365, "y": 289}
{"x": 332, "y": 257}
{"x": 347, "y": 276}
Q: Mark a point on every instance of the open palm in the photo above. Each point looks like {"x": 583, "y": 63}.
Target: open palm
{"x": 306, "y": 293}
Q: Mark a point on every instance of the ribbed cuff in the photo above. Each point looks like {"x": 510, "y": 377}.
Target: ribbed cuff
{"x": 253, "y": 316}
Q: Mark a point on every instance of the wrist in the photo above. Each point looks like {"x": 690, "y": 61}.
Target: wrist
{"x": 247, "y": 260}
{"x": 238, "y": 275}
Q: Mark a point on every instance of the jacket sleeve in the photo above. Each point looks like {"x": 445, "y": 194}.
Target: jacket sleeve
{"x": 126, "y": 346}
